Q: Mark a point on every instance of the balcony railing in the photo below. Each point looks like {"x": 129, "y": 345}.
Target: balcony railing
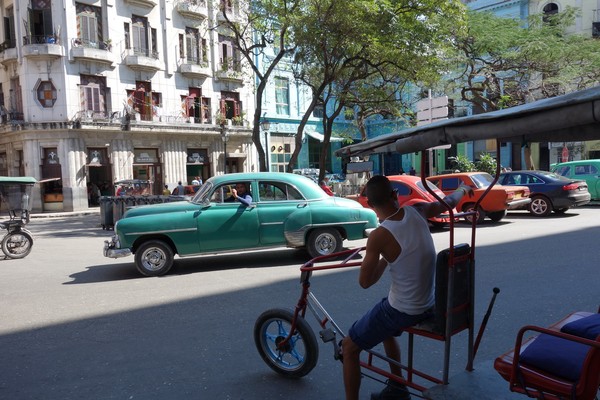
{"x": 92, "y": 44}
{"x": 41, "y": 39}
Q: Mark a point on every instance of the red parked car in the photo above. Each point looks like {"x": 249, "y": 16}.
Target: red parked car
{"x": 494, "y": 204}
{"x": 410, "y": 191}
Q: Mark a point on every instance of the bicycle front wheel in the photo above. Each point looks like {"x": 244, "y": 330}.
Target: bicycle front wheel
{"x": 17, "y": 244}
{"x": 298, "y": 356}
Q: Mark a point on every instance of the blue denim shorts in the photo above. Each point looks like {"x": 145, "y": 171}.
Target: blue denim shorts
{"x": 382, "y": 322}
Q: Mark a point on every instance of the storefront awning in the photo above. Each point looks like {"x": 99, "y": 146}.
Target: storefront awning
{"x": 320, "y": 137}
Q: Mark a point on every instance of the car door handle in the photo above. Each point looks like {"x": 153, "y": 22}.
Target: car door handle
{"x": 301, "y": 205}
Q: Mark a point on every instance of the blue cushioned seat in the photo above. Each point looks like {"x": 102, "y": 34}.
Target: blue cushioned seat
{"x": 558, "y": 356}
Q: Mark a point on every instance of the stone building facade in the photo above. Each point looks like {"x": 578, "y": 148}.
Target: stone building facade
{"x": 97, "y": 91}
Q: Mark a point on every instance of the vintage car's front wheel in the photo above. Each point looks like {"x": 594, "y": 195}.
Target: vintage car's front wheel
{"x": 154, "y": 258}
{"x": 322, "y": 242}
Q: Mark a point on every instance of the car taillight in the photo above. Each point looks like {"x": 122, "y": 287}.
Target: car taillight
{"x": 571, "y": 186}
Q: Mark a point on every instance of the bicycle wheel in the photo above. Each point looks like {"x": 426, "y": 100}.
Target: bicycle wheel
{"x": 17, "y": 244}
{"x": 299, "y": 356}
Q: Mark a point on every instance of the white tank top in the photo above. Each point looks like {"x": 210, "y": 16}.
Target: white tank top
{"x": 413, "y": 272}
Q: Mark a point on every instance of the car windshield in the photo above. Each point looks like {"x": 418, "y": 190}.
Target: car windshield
{"x": 482, "y": 180}
{"x": 202, "y": 193}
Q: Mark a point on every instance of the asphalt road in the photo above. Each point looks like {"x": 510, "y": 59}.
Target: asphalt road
{"x": 74, "y": 325}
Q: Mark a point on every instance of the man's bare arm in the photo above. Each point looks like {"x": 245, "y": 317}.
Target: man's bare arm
{"x": 373, "y": 265}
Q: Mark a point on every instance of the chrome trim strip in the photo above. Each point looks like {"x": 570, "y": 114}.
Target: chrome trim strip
{"x": 166, "y": 231}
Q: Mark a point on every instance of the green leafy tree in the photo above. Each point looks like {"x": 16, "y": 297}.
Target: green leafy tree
{"x": 461, "y": 163}
{"x": 486, "y": 163}
{"x": 262, "y": 31}
{"x": 345, "y": 48}
{"x": 505, "y": 62}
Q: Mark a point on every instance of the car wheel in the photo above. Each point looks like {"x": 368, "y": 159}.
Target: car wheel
{"x": 540, "y": 206}
{"x": 497, "y": 215}
{"x": 322, "y": 242}
{"x": 480, "y": 213}
{"x": 154, "y": 258}
{"x": 560, "y": 211}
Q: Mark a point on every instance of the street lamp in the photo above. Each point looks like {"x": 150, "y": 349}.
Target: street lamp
{"x": 265, "y": 125}
{"x": 224, "y": 137}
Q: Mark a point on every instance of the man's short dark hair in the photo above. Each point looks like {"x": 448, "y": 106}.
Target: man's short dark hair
{"x": 379, "y": 191}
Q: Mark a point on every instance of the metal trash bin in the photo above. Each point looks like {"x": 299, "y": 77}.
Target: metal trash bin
{"x": 118, "y": 208}
{"x": 106, "y": 212}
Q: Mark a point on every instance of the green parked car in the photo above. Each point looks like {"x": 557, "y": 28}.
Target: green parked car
{"x": 286, "y": 210}
{"x": 588, "y": 170}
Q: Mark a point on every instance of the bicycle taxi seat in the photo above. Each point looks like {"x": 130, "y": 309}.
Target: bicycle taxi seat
{"x": 561, "y": 362}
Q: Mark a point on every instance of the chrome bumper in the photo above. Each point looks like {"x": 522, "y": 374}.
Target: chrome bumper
{"x": 111, "y": 249}
{"x": 518, "y": 203}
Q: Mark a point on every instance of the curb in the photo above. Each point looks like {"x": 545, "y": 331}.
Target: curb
{"x": 65, "y": 214}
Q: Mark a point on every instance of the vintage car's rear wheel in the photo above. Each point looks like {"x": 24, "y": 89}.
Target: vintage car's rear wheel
{"x": 154, "y": 258}
{"x": 322, "y": 242}
{"x": 497, "y": 216}
{"x": 540, "y": 206}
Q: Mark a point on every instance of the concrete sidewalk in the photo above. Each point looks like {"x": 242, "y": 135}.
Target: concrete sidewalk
{"x": 65, "y": 214}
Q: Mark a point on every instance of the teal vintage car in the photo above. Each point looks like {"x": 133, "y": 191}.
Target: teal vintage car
{"x": 286, "y": 210}
{"x": 588, "y": 170}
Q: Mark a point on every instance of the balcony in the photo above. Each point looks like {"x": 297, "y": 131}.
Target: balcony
{"x": 8, "y": 52}
{"x": 142, "y": 60}
{"x": 143, "y": 3}
{"x": 193, "y": 68}
{"x": 85, "y": 50}
{"x": 42, "y": 47}
{"x": 230, "y": 71}
{"x": 194, "y": 9}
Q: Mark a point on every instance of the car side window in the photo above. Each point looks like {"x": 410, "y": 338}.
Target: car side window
{"x": 450, "y": 184}
{"x": 533, "y": 179}
{"x": 514, "y": 179}
{"x": 220, "y": 194}
{"x": 586, "y": 169}
{"x": 277, "y": 191}
{"x": 401, "y": 189}
{"x": 564, "y": 170}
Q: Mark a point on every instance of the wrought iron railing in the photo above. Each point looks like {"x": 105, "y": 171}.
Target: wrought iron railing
{"x": 40, "y": 39}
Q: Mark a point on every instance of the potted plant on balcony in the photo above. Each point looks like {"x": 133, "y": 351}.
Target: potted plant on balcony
{"x": 107, "y": 44}
{"x": 238, "y": 120}
{"x": 220, "y": 118}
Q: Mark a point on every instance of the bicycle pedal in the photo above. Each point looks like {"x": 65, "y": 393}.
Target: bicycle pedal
{"x": 327, "y": 335}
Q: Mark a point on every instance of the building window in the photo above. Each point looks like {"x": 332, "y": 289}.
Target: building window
{"x": 228, "y": 55}
{"x": 93, "y": 95}
{"x": 282, "y": 96}
{"x": 89, "y": 26}
{"x": 195, "y": 47}
{"x": 139, "y": 35}
{"x": 46, "y": 94}
{"x": 231, "y": 107}
{"x": 281, "y": 153}
{"x": 9, "y": 29}
{"x": 318, "y": 111}
{"x": 39, "y": 23}
{"x": 549, "y": 11}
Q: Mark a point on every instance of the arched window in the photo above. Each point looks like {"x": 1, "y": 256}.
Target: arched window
{"x": 549, "y": 10}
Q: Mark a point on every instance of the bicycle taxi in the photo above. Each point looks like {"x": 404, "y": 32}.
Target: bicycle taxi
{"x": 15, "y": 193}
{"x": 558, "y": 363}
